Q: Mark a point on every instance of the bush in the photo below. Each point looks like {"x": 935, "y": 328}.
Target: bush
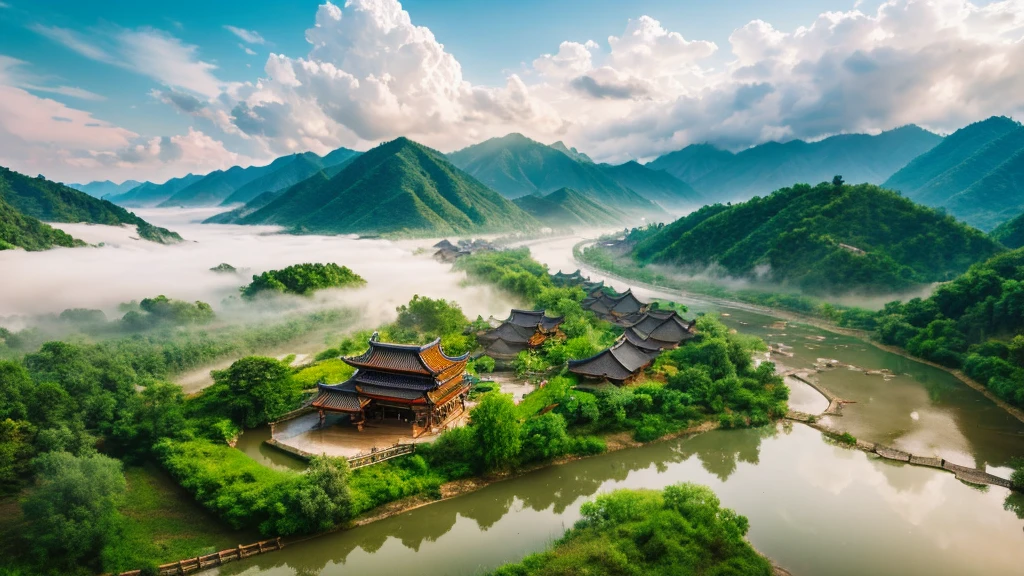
{"x": 484, "y": 364}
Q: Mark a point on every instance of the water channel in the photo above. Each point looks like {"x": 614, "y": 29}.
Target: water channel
{"x": 815, "y": 508}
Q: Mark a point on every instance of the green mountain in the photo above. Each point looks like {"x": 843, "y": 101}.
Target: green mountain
{"x": 213, "y": 188}
{"x": 297, "y": 169}
{"x": 516, "y": 166}
{"x": 235, "y": 216}
{"x": 823, "y": 239}
{"x": 567, "y": 208}
{"x": 1010, "y": 233}
{"x": 399, "y": 187}
{"x": 52, "y": 202}
{"x": 977, "y": 173}
{"x": 105, "y": 188}
{"x": 20, "y": 231}
{"x": 655, "y": 185}
{"x": 758, "y": 170}
{"x": 571, "y": 152}
{"x": 150, "y": 194}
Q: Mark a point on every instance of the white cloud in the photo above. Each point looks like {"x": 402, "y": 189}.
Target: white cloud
{"x": 250, "y": 36}
{"x": 246, "y": 49}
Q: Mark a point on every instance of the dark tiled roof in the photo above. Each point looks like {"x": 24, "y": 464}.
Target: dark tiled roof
{"x": 627, "y": 303}
{"x": 386, "y": 392}
{"x": 525, "y": 318}
{"x": 445, "y": 244}
{"x": 393, "y": 380}
{"x": 619, "y": 362}
{"x": 646, "y": 343}
{"x": 510, "y": 333}
{"x": 331, "y": 398}
{"x": 504, "y": 350}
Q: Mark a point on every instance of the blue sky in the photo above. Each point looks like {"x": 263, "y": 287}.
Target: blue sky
{"x": 643, "y": 99}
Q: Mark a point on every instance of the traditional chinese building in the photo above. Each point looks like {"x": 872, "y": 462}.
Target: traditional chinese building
{"x": 620, "y": 364}
{"x": 620, "y": 309}
{"x": 522, "y": 330}
{"x": 561, "y": 279}
{"x": 420, "y": 385}
{"x": 659, "y": 330}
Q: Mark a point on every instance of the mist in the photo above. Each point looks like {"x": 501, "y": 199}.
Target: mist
{"x": 126, "y": 268}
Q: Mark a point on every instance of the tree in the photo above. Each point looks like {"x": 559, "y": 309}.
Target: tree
{"x": 73, "y": 509}
{"x": 497, "y": 430}
{"x": 323, "y": 496}
{"x": 15, "y": 453}
{"x": 427, "y": 315}
{"x": 254, "y": 390}
{"x": 837, "y": 181}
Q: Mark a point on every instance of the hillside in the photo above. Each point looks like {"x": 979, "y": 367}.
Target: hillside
{"x": 295, "y": 170}
{"x": 1010, "y": 233}
{"x": 977, "y": 173}
{"x": 567, "y": 208}
{"x": 399, "y": 187}
{"x": 21, "y": 231}
{"x": 823, "y": 239}
{"x": 49, "y": 201}
{"x": 516, "y": 166}
{"x": 571, "y": 152}
{"x": 212, "y": 189}
{"x": 150, "y": 194}
{"x": 105, "y": 188}
{"x": 655, "y": 185}
{"x": 756, "y": 171}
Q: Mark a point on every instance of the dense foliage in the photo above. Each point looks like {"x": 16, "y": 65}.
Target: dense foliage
{"x": 398, "y": 188}
{"x": 302, "y": 279}
{"x": 823, "y": 239}
{"x": 52, "y": 202}
{"x": 976, "y": 173}
{"x": 975, "y": 322}
{"x": 153, "y": 312}
{"x": 680, "y": 530}
{"x": 1010, "y": 233}
{"x": 252, "y": 391}
{"x": 20, "y": 231}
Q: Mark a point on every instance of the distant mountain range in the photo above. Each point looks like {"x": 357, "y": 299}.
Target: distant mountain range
{"x": 721, "y": 175}
{"x": 976, "y": 173}
{"x": 823, "y": 239}
{"x": 149, "y": 194}
{"x": 567, "y": 208}
{"x": 105, "y": 188}
{"x": 398, "y": 188}
{"x": 516, "y": 166}
{"x": 39, "y": 199}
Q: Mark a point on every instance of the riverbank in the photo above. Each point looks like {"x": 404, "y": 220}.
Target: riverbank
{"x": 816, "y": 322}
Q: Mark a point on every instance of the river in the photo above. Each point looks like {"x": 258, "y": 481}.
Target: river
{"x": 815, "y": 508}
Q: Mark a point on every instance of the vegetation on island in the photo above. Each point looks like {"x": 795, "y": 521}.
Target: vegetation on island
{"x": 49, "y": 201}
{"x": 829, "y": 238}
{"x": 679, "y": 530}
{"x": 224, "y": 267}
{"x": 302, "y": 279}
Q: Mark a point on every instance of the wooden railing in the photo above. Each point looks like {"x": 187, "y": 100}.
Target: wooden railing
{"x": 381, "y": 455}
{"x": 190, "y": 565}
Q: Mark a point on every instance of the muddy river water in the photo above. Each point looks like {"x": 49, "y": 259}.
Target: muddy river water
{"x": 814, "y": 507}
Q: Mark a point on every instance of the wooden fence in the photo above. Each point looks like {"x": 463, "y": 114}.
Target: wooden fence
{"x": 190, "y": 565}
{"x": 381, "y": 455}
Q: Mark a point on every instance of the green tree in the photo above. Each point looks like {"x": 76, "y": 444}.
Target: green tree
{"x": 15, "y": 453}
{"x": 427, "y": 315}
{"x": 302, "y": 279}
{"x": 323, "y": 496}
{"x": 253, "y": 391}
{"x": 497, "y": 430}
{"x": 73, "y": 509}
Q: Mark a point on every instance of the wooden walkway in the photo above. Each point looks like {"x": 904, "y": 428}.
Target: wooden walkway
{"x": 357, "y": 461}
{"x": 190, "y": 565}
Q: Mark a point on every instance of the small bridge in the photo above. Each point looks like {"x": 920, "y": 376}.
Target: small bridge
{"x": 377, "y": 456}
{"x": 190, "y": 565}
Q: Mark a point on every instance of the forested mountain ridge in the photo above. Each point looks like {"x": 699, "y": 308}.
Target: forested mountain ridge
{"x": 825, "y": 238}
{"x": 1010, "y": 233}
{"x": 300, "y": 167}
{"x": 48, "y": 201}
{"x": 105, "y": 188}
{"x": 150, "y": 194}
{"x": 567, "y": 208}
{"x": 722, "y": 175}
{"x": 399, "y": 187}
{"x": 976, "y": 173}
{"x": 20, "y": 231}
{"x": 656, "y": 185}
{"x": 515, "y": 166}
{"x": 212, "y": 189}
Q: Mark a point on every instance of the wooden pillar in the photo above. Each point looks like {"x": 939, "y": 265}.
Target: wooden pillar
{"x": 323, "y": 417}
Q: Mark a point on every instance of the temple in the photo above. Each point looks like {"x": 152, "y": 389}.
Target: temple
{"x": 620, "y": 364}
{"x": 622, "y": 309}
{"x": 420, "y": 385}
{"x": 660, "y": 330}
{"x": 522, "y": 330}
{"x": 561, "y": 279}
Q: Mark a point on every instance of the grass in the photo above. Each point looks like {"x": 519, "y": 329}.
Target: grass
{"x": 326, "y": 371}
{"x": 541, "y": 398}
{"x": 163, "y": 523}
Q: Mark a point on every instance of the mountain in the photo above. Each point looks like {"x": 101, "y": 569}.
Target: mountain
{"x": 1010, "y": 233}
{"x": 105, "y": 188}
{"x": 399, "y": 187}
{"x": 52, "y": 202}
{"x": 235, "y": 216}
{"x": 297, "y": 169}
{"x": 20, "y": 231}
{"x": 567, "y": 208}
{"x": 756, "y": 171}
{"x": 976, "y": 173}
{"x": 571, "y": 152}
{"x": 213, "y": 188}
{"x": 516, "y": 166}
{"x": 150, "y": 194}
{"x": 655, "y": 185}
{"x": 823, "y": 239}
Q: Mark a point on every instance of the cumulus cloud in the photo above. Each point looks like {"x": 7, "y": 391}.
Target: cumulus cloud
{"x": 250, "y": 36}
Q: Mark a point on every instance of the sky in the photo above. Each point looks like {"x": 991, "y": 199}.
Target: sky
{"x": 148, "y": 91}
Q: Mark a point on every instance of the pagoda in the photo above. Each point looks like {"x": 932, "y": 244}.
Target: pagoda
{"x": 420, "y": 385}
{"x": 522, "y": 330}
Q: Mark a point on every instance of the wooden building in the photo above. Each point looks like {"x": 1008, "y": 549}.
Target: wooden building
{"x": 621, "y": 309}
{"x": 562, "y": 280}
{"x": 420, "y": 385}
{"x": 620, "y": 364}
{"x": 522, "y": 330}
{"x": 659, "y": 330}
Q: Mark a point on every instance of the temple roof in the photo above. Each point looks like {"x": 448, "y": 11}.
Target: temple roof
{"x": 619, "y": 362}
{"x": 428, "y": 360}
{"x": 627, "y": 303}
{"x": 667, "y": 326}
{"x": 393, "y": 380}
{"x": 509, "y": 332}
{"x": 503, "y": 349}
{"x": 340, "y": 397}
{"x": 649, "y": 344}
{"x": 445, "y": 244}
{"x": 532, "y": 319}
